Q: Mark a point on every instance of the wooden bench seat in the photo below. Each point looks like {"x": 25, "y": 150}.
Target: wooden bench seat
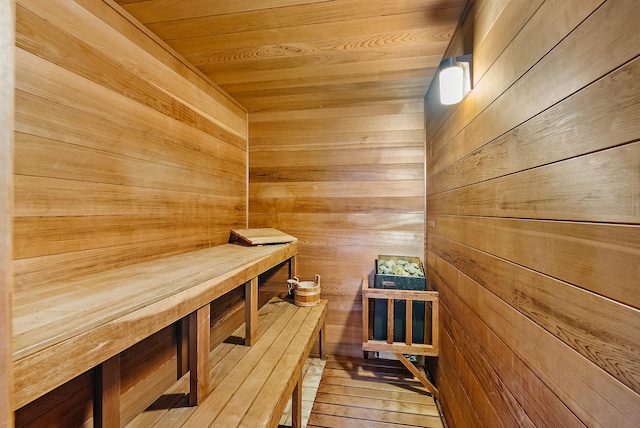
{"x": 250, "y": 386}
{"x": 63, "y": 330}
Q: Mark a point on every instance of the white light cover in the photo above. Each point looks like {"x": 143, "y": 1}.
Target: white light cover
{"x": 452, "y": 85}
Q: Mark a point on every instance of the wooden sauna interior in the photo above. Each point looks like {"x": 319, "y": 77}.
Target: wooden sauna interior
{"x": 137, "y": 129}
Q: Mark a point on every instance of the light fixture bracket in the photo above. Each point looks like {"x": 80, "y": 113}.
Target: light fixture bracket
{"x": 455, "y": 78}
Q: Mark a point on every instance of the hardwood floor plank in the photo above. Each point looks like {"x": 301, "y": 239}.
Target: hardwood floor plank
{"x": 365, "y": 391}
{"x": 373, "y": 415}
{"x": 371, "y": 393}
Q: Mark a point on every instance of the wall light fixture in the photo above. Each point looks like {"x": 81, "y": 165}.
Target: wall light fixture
{"x": 455, "y": 79}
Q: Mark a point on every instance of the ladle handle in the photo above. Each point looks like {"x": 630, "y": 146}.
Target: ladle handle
{"x": 292, "y": 284}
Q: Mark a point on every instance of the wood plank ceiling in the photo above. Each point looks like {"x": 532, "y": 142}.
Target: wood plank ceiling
{"x": 292, "y": 54}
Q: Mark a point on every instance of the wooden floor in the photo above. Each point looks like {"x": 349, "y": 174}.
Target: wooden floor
{"x": 371, "y": 393}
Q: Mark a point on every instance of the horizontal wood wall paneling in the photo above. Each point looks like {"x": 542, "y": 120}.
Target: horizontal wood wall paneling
{"x": 7, "y": 114}
{"x": 359, "y": 82}
{"x": 603, "y": 400}
{"x": 343, "y": 141}
{"x": 175, "y": 146}
{"x": 45, "y": 39}
{"x": 336, "y": 189}
{"x": 501, "y": 28}
{"x": 69, "y": 405}
{"x": 151, "y": 350}
{"x": 327, "y": 205}
{"x": 581, "y": 189}
{"x": 31, "y": 272}
{"x": 36, "y": 156}
{"x": 57, "y": 197}
{"x": 58, "y": 235}
{"x": 339, "y": 173}
{"x": 328, "y": 156}
{"x": 511, "y": 47}
{"x": 299, "y": 222}
{"x": 578, "y": 125}
{"x": 124, "y": 153}
{"x": 507, "y": 407}
{"x": 532, "y": 398}
{"x": 586, "y": 255}
{"x": 545, "y": 83}
{"x": 56, "y": 84}
{"x": 96, "y": 24}
{"x": 597, "y": 337}
{"x": 470, "y": 385}
{"x": 139, "y": 388}
{"x": 463, "y": 414}
{"x": 171, "y": 70}
{"x": 302, "y": 127}
{"x": 339, "y": 95}
{"x": 393, "y": 107}
{"x": 310, "y": 174}
{"x": 464, "y": 31}
{"x": 473, "y": 35}
{"x": 332, "y": 71}
{"x": 533, "y": 215}
{"x": 358, "y": 237}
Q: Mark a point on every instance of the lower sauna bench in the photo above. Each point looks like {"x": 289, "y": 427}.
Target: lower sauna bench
{"x": 250, "y": 385}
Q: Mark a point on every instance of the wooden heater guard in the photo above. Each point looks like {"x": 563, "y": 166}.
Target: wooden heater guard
{"x": 406, "y": 347}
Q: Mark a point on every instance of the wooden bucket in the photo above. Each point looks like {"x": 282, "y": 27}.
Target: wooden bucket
{"x": 305, "y": 293}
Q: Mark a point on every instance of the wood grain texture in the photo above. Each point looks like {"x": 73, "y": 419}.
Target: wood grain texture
{"x": 101, "y": 102}
{"x": 532, "y": 214}
{"x": 348, "y": 183}
{"x": 7, "y": 113}
{"x": 288, "y": 54}
{"x": 106, "y": 404}
{"x": 371, "y": 393}
{"x": 122, "y": 34}
{"x": 69, "y": 146}
{"x": 250, "y": 385}
{"x": 53, "y": 326}
{"x": 199, "y": 344}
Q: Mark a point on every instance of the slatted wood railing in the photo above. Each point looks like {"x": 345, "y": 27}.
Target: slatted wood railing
{"x": 408, "y": 346}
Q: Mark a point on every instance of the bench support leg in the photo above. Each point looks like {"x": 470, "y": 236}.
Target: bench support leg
{"x": 251, "y": 311}
{"x": 292, "y": 267}
{"x": 199, "y": 344}
{"x": 323, "y": 342}
{"x": 106, "y": 403}
{"x": 182, "y": 365}
{"x": 296, "y": 405}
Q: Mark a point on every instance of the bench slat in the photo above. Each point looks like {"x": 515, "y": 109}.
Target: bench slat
{"x": 250, "y": 385}
{"x": 228, "y": 387}
{"x": 273, "y": 358}
{"x": 221, "y": 359}
{"x": 285, "y": 375}
{"x": 77, "y": 325}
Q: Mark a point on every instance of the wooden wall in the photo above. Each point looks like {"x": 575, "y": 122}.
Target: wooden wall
{"x": 7, "y": 80}
{"x": 533, "y": 214}
{"x": 348, "y": 182}
{"x": 122, "y": 153}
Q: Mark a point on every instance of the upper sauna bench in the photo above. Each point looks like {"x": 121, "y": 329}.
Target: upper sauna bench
{"x": 65, "y": 329}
